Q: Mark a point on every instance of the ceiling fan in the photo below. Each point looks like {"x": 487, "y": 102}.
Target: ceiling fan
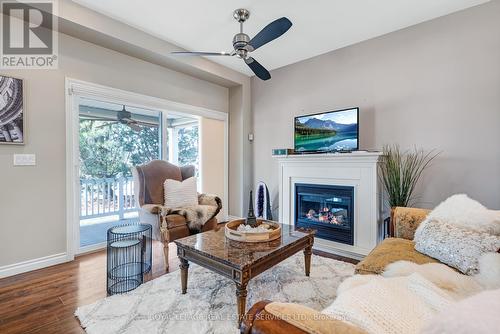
{"x": 243, "y": 45}
{"x": 124, "y": 117}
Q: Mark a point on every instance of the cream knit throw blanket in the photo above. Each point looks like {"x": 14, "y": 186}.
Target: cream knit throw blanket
{"x": 390, "y": 305}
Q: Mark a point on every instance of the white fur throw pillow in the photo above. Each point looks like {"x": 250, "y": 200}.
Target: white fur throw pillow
{"x": 462, "y": 211}
{"x": 455, "y": 246}
{"x": 180, "y": 194}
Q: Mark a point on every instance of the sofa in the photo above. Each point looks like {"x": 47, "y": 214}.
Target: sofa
{"x": 272, "y": 317}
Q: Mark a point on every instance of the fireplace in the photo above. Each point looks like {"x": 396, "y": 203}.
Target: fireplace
{"x": 327, "y": 209}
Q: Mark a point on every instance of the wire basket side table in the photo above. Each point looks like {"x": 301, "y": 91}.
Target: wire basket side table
{"x": 129, "y": 257}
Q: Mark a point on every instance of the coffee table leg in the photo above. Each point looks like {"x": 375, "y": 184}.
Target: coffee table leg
{"x": 241, "y": 300}
{"x": 184, "y": 274}
{"x": 307, "y": 259}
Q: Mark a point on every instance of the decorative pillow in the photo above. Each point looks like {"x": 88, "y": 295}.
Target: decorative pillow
{"x": 457, "y": 247}
{"x": 180, "y": 194}
{"x": 462, "y": 211}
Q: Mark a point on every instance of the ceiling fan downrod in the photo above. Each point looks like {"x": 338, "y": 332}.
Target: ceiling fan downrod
{"x": 241, "y": 40}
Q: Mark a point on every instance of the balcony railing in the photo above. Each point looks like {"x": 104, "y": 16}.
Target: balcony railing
{"x": 106, "y": 197}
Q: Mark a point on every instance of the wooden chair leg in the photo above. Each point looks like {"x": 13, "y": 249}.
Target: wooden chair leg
{"x": 165, "y": 253}
{"x": 165, "y": 240}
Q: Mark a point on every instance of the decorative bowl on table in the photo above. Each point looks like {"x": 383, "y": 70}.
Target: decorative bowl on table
{"x": 265, "y": 230}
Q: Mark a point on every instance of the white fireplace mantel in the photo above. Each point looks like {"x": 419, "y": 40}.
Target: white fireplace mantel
{"x": 357, "y": 169}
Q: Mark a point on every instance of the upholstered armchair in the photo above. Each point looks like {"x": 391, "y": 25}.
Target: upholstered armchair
{"x": 168, "y": 225}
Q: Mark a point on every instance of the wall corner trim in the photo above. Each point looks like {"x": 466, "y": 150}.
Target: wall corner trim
{"x": 34, "y": 264}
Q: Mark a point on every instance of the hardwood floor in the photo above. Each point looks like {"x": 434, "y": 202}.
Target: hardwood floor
{"x": 44, "y": 301}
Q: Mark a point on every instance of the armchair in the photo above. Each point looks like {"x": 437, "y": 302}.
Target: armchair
{"x": 149, "y": 195}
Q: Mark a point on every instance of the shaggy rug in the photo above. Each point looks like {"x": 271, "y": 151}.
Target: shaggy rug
{"x": 210, "y": 303}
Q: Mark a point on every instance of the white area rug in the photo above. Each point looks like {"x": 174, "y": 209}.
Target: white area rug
{"x": 210, "y": 303}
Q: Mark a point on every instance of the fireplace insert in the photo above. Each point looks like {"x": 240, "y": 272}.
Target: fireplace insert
{"x": 327, "y": 209}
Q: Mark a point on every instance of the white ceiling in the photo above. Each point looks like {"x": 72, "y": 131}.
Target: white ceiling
{"x": 319, "y": 26}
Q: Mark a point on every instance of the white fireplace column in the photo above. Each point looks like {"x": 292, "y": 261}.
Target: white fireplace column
{"x": 357, "y": 169}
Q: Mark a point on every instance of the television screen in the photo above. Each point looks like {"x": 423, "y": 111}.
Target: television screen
{"x": 329, "y": 131}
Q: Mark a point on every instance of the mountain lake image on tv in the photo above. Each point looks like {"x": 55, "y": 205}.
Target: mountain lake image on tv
{"x": 329, "y": 131}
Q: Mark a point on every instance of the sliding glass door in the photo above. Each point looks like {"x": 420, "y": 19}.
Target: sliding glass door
{"x": 110, "y": 131}
{"x": 112, "y": 139}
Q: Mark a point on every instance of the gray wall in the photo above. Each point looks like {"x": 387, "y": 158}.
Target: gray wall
{"x": 32, "y": 199}
{"x": 240, "y": 150}
{"x": 435, "y": 85}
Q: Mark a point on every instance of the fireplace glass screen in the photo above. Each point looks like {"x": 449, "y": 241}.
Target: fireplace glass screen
{"x": 327, "y": 209}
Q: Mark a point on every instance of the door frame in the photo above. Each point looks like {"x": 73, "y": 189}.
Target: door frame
{"x": 76, "y": 89}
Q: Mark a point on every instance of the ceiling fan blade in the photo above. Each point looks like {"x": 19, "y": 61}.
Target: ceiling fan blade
{"x": 96, "y": 118}
{"x": 134, "y": 126}
{"x": 199, "y": 53}
{"x": 107, "y": 124}
{"x": 146, "y": 124}
{"x": 270, "y": 32}
{"x": 258, "y": 69}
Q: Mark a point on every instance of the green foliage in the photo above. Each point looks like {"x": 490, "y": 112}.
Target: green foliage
{"x": 400, "y": 172}
{"x": 108, "y": 149}
{"x": 188, "y": 146}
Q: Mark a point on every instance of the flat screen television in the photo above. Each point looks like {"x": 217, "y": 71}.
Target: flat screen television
{"x": 327, "y": 132}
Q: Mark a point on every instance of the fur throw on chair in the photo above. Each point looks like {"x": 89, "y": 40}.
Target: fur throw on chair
{"x": 450, "y": 280}
{"x": 464, "y": 212}
{"x": 196, "y": 216}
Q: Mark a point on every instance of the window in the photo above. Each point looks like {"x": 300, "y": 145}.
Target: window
{"x": 183, "y": 139}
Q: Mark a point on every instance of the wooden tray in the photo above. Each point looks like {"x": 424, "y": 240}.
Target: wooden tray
{"x": 273, "y": 233}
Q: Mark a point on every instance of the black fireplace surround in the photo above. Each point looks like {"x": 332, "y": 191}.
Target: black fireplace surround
{"x": 327, "y": 209}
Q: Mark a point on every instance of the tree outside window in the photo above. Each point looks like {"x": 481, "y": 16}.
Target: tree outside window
{"x": 187, "y": 138}
{"x": 109, "y": 149}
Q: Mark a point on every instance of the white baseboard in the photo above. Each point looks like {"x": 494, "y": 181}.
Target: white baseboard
{"x": 91, "y": 248}
{"x": 34, "y": 264}
{"x": 326, "y": 246}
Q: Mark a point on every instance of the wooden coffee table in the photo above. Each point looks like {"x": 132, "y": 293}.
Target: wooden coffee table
{"x": 241, "y": 261}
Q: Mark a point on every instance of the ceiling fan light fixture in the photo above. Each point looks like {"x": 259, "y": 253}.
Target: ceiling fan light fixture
{"x": 243, "y": 45}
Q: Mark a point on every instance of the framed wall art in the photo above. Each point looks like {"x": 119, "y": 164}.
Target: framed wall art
{"x": 12, "y": 112}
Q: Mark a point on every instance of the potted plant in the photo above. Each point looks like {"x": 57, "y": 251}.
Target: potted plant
{"x": 400, "y": 172}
